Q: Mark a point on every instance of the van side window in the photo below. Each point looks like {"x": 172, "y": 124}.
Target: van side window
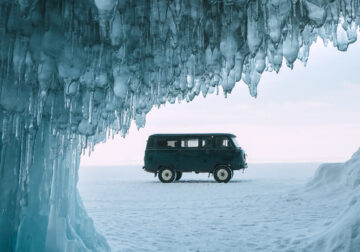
{"x": 193, "y": 143}
{"x": 190, "y": 143}
{"x": 183, "y": 143}
{"x": 222, "y": 142}
{"x": 206, "y": 142}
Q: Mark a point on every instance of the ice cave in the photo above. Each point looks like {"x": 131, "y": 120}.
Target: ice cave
{"x": 73, "y": 73}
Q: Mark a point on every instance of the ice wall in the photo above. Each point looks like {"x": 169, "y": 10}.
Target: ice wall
{"x": 330, "y": 180}
{"x": 73, "y": 73}
{"x": 41, "y": 209}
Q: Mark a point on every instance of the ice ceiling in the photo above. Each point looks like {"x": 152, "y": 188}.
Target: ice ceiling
{"x": 74, "y": 72}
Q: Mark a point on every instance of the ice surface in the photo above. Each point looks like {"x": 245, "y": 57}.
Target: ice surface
{"x": 264, "y": 209}
{"x": 73, "y": 73}
{"x": 272, "y": 207}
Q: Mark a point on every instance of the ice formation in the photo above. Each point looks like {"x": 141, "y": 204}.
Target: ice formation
{"x": 332, "y": 179}
{"x": 73, "y": 73}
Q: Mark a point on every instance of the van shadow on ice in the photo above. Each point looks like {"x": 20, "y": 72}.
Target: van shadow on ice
{"x": 169, "y": 155}
{"x": 200, "y": 181}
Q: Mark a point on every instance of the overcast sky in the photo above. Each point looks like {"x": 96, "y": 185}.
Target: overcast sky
{"x": 308, "y": 114}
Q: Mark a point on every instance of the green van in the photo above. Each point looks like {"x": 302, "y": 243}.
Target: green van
{"x": 169, "y": 155}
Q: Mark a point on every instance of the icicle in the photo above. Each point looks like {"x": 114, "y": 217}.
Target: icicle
{"x": 41, "y": 98}
{"x": 91, "y": 106}
{"x": 2, "y": 160}
{"x": 17, "y": 126}
{"x": 31, "y": 104}
{"x": 9, "y": 60}
{"x": 301, "y": 7}
{"x": 42, "y": 127}
{"x": 294, "y": 7}
{"x": 4, "y": 130}
{"x": 70, "y": 114}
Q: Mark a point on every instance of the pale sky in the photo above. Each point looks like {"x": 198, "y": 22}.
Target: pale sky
{"x": 308, "y": 114}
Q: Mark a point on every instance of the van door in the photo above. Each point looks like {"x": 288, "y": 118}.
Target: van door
{"x": 166, "y": 152}
{"x": 223, "y": 151}
{"x": 189, "y": 154}
{"x": 207, "y": 153}
{"x": 172, "y": 146}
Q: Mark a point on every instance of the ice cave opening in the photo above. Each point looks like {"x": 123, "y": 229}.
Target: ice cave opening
{"x": 73, "y": 73}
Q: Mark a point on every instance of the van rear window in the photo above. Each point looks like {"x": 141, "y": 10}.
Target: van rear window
{"x": 167, "y": 143}
{"x": 171, "y": 143}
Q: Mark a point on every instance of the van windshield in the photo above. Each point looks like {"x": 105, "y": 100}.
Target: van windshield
{"x": 235, "y": 142}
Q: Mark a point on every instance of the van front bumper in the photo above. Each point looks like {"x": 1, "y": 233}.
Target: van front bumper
{"x": 241, "y": 166}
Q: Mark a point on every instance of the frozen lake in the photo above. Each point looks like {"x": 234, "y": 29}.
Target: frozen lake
{"x": 265, "y": 209}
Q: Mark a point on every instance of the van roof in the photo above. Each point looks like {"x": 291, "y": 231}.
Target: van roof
{"x": 192, "y": 134}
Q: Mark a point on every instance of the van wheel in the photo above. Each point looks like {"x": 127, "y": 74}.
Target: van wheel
{"x": 222, "y": 174}
{"x": 167, "y": 175}
{"x": 178, "y": 175}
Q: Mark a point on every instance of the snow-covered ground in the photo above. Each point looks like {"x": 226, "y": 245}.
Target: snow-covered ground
{"x": 268, "y": 208}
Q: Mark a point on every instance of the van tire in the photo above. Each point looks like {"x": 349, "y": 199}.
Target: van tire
{"x": 167, "y": 175}
{"x": 178, "y": 175}
{"x": 222, "y": 174}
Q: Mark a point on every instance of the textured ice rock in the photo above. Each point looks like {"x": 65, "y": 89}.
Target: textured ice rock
{"x": 344, "y": 233}
{"x": 73, "y": 73}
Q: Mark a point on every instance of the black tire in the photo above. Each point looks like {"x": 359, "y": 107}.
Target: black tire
{"x": 167, "y": 175}
{"x": 222, "y": 174}
{"x": 178, "y": 175}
